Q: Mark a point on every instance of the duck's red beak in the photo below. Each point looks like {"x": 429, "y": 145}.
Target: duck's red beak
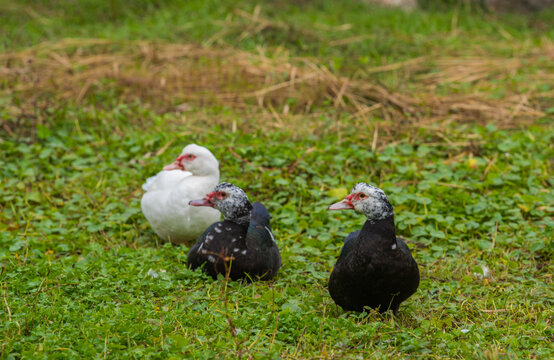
{"x": 344, "y": 204}
{"x": 206, "y": 201}
{"x": 176, "y": 165}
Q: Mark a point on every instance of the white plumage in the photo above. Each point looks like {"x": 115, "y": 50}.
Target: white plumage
{"x": 166, "y": 201}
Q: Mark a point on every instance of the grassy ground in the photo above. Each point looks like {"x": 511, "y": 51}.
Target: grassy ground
{"x": 450, "y": 112}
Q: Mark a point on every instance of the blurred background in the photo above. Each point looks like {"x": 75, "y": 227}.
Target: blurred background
{"x": 461, "y": 59}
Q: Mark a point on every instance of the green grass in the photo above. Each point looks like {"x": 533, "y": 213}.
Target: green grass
{"x": 308, "y": 28}
{"x": 77, "y": 256}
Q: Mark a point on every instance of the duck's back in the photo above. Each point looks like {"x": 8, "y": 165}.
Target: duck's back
{"x": 267, "y": 260}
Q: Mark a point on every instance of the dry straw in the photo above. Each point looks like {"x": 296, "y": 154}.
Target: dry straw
{"x": 166, "y": 75}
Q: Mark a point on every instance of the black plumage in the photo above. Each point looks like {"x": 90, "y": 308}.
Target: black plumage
{"x": 242, "y": 244}
{"x": 375, "y": 268}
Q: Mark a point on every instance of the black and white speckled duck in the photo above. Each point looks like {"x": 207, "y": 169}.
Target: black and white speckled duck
{"x": 374, "y": 268}
{"x": 242, "y": 242}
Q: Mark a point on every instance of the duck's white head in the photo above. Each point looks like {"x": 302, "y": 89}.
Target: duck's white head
{"x": 196, "y": 159}
{"x": 368, "y": 200}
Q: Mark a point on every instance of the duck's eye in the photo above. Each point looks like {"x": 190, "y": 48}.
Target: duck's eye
{"x": 362, "y": 196}
{"x": 222, "y": 195}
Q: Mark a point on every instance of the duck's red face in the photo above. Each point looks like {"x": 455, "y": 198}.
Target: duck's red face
{"x": 368, "y": 200}
{"x": 229, "y": 199}
{"x": 181, "y": 162}
{"x": 346, "y": 203}
{"x": 206, "y": 201}
{"x": 209, "y": 199}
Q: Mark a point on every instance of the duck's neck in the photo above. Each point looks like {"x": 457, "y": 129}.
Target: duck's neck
{"x": 381, "y": 229}
{"x": 208, "y": 171}
{"x": 243, "y": 220}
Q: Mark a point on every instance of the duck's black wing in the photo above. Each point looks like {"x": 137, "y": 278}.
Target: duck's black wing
{"x": 349, "y": 241}
{"x": 411, "y": 269}
{"x": 259, "y": 214}
{"x": 196, "y": 256}
{"x": 220, "y": 244}
{"x": 266, "y": 259}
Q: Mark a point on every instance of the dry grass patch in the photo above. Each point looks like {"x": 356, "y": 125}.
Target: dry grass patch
{"x": 170, "y": 76}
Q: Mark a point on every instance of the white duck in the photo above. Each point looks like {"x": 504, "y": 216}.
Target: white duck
{"x": 166, "y": 201}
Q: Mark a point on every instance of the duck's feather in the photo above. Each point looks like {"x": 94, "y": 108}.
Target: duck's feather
{"x": 374, "y": 269}
{"x": 165, "y": 180}
{"x": 166, "y": 205}
{"x": 246, "y": 251}
{"x": 349, "y": 241}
